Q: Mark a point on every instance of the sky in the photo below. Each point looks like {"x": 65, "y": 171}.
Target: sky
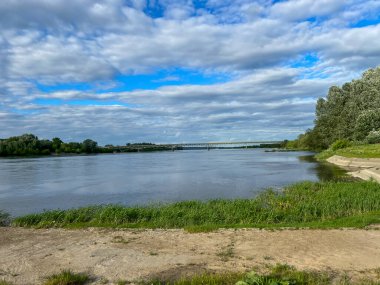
{"x": 172, "y": 71}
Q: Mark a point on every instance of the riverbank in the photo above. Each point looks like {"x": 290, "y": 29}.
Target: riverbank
{"x": 109, "y": 255}
{"x": 306, "y": 204}
{"x": 364, "y": 168}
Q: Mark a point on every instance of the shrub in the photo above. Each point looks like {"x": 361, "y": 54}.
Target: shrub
{"x": 4, "y": 219}
{"x": 339, "y": 144}
{"x": 373, "y": 137}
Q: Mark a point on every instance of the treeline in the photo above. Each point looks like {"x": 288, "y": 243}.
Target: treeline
{"x": 349, "y": 114}
{"x": 29, "y": 144}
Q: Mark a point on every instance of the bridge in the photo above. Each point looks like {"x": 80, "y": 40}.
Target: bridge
{"x": 215, "y": 145}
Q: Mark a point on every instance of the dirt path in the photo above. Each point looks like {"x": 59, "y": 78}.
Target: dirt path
{"x": 27, "y": 255}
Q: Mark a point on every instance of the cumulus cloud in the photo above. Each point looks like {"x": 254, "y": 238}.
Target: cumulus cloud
{"x": 262, "y": 47}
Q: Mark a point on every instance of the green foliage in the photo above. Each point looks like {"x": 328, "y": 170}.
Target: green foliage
{"x": 373, "y": 137}
{"x": 349, "y": 112}
{"x": 67, "y": 277}
{"x": 4, "y": 219}
{"x": 3, "y": 282}
{"x": 29, "y": 144}
{"x": 368, "y": 120}
{"x": 89, "y": 146}
{"x": 359, "y": 151}
{"x": 340, "y": 144}
{"x": 322, "y": 204}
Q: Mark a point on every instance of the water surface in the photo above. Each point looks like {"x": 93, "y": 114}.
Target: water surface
{"x": 30, "y": 185}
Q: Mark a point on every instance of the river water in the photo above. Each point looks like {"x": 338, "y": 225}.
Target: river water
{"x": 29, "y": 185}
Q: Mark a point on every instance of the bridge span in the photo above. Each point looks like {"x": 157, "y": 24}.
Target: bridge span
{"x": 214, "y": 145}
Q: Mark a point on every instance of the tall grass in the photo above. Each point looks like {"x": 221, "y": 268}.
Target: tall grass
{"x": 313, "y": 204}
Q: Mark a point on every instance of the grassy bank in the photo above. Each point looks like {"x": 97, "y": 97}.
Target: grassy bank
{"x": 307, "y": 204}
{"x": 280, "y": 274}
{"x": 359, "y": 151}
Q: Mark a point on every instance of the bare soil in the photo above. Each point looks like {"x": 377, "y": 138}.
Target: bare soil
{"x": 27, "y": 256}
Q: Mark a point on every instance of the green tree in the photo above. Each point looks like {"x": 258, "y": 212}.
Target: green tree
{"x": 89, "y": 146}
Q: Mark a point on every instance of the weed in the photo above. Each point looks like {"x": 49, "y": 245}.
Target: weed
{"x": 67, "y": 277}
{"x": 120, "y": 239}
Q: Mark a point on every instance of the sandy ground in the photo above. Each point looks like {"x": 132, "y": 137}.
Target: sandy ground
{"x": 27, "y": 256}
{"x": 363, "y": 168}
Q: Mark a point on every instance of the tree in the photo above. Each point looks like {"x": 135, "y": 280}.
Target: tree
{"x": 57, "y": 142}
{"x": 89, "y": 146}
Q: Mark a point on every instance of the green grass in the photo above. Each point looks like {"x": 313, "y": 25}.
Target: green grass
{"x": 67, "y": 277}
{"x": 277, "y": 275}
{"x": 3, "y": 282}
{"x": 359, "y": 151}
{"x": 206, "y": 278}
{"x": 306, "y": 204}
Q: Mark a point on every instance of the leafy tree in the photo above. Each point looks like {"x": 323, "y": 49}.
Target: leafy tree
{"x": 57, "y": 142}
{"x": 89, "y": 146}
{"x": 349, "y": 112}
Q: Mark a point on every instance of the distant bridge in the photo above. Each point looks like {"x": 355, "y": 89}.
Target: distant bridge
{"x": 210, "y": 145}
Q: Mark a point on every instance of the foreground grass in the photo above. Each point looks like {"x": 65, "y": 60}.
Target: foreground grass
{"x": 306, "y": 204}
{"x": 278, "y": 275}
{"x": 359, "y": 151}
{"x": 67, "y": 277}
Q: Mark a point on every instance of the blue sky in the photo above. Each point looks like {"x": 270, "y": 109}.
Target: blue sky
{"x": 121, "y": 71}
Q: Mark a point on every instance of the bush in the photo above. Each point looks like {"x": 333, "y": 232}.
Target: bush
{"x": 4, "y": 219}
{"x": 373, "y": 137}
{"x": 339, "y": 144}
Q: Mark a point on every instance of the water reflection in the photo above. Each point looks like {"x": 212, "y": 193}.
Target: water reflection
{"x": 324, "y": 170}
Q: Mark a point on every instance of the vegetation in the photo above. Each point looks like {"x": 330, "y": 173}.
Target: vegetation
{"x": 359, "y": 151}
{"x": 206, "y": 278}
{"x": 4, "y": 218}
{"x": 29, "y": 144}
{"x": 306, "y": 204}
{"x": 277, "y": 275}
{"x": 350, "y": 112}
{"x": 3, "y": 282}
{"x": 67, "y": 277}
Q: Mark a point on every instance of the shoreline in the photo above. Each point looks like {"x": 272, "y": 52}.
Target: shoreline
{"x": 363, "y": 168}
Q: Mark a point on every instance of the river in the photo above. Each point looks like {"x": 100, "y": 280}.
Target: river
{"x": 29, "y": 185}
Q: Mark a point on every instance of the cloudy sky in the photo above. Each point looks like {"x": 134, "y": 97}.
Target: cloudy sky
{"x": 121, "y": 71}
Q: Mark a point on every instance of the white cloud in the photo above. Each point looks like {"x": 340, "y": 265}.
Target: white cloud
{"x": 253, "y": 42}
